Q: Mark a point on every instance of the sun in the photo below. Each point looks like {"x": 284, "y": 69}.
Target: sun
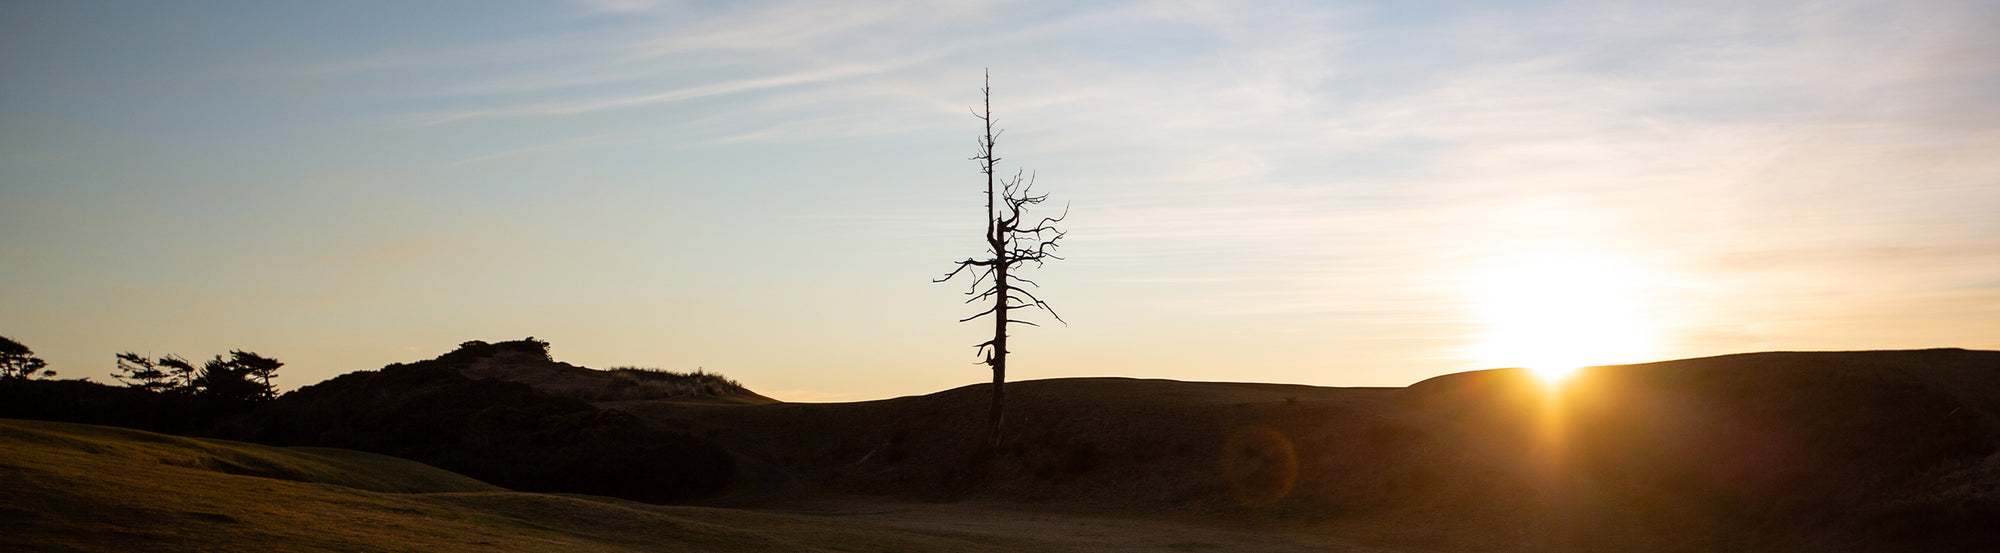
{"x": 1553, "y": 374}
{"x": 1556, "y": 314}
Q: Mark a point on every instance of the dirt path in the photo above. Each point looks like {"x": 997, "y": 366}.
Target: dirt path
{"x": 1064, "y": 532}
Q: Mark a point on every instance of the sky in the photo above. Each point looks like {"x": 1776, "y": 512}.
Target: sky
{"x": 1327, "y": 193}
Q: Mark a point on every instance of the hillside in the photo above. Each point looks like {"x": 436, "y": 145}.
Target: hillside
{"x": 508, "y": 433}
{"x": 476, "y": 410}
{"x": 81, "y": 488}
{"x": 1842, "y": 451}
{"x": 1775, "y": 451}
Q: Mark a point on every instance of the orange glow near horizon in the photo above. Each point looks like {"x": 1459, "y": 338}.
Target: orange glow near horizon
{"x": 1556, "y": 314}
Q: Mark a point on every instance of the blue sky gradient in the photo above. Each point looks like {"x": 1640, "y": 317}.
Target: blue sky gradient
{"x": 1337, "y": 193}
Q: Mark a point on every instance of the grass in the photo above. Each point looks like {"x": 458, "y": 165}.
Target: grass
{"x": 62, "y": 447}
{"x": 73, "y": 487}
{"x": 649, "y": 383}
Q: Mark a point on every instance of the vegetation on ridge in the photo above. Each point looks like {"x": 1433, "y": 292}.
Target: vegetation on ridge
{"x": 242, "y": 377}
{"x": 630, "y": 383}
{"x": 18, "y": 362}
{"x": 528, "y": 362}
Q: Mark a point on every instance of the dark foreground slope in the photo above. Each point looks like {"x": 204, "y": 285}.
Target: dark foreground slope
{"x": 1775, "y": 451}
{"x": 75, "y": 487}
{"x": 79, "y": 488}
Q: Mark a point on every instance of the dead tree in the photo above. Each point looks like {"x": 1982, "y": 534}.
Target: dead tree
{"x": 1011, "y": 244}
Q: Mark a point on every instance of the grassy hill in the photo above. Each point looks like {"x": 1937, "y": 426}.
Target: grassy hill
{"x": 1775, "y": 451}
{"x": 503, "y": 413}
{"x": 509, "y": 433}
{"x": 1843, "y": 451}
{"x": 72, "y": 487}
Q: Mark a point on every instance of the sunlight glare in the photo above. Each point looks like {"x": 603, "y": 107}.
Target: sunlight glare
{"x": 1553, "y": 373}
{"x": 1556, "y": 314}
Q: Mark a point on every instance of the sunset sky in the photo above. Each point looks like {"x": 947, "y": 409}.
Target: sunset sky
{"x": 1330, "y": 193}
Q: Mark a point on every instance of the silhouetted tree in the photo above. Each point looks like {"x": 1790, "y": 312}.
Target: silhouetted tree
{"x": 243, "y": 376}
{"x": 19, "y": 362}
{"x": 1011, "y": 243}
{"x": 259, "y": 368}
{"x": 137, "y": 371}
{"x": 180, "y": 372}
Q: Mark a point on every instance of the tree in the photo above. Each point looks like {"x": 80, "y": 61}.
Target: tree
{"x": 140, "y": 372}
{"x": 1011, "y": 244}
{"x": 169, "y": 373}
{"x": 259, "y": 368}
{"x": 17, "y": 362}
{"x": 226, "y": 380}
{"x": 243, "y": 376}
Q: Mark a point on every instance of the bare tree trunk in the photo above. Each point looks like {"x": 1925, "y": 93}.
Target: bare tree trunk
{"x": 998, "y": 241}
{"x": 1012, "y": 240}
{"x": 999, "y": 359}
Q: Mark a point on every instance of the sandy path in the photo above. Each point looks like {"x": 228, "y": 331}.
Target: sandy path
{"x": 1063, "y": 532}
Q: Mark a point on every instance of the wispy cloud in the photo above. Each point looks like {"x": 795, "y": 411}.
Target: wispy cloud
{"x": 559, "y": 146}
{"x": 811, "y": 76}
{"x": 624, "y": 6}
